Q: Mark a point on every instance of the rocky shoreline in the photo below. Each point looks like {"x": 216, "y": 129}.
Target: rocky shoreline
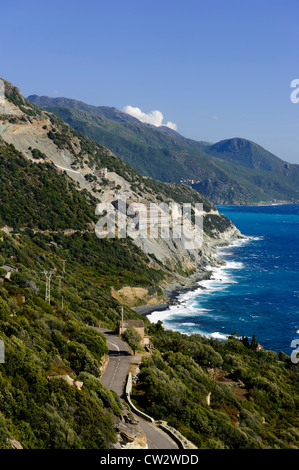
{"x": 174, "y": 289}
{"x": 172, "y": 292}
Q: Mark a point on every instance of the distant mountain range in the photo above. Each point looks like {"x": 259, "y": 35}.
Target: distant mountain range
{"x": 232, "y": 171}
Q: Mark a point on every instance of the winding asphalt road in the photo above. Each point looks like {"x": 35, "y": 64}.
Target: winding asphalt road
{"x": 119, "y": 363}
{"x": 114, "y": 378}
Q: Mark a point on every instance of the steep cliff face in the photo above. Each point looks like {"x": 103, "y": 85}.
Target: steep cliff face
{"x": 43, "y": 138}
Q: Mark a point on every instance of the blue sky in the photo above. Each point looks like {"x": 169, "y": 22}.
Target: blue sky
{"x": 216, "y": 68}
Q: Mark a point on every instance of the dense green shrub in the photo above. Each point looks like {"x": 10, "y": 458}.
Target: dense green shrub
{"x": 257, "y": 412}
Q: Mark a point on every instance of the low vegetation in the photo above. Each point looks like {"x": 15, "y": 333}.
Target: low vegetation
{"x": 225, "y": 395}
{"x": 49, "y": 222}
{"x": 218, "y": 394}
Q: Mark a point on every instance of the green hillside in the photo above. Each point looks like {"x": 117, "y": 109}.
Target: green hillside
{"x": 45, "y": 340}
{"x": 220, "y": 395}
{"x": 254, "y": 395}
{"x": 235, "y": 171}
{"x": 46, "y": 224}
{"x": 245, "y": 153}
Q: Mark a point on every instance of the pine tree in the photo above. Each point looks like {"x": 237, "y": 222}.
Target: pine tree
{"x": 254, "y": 343}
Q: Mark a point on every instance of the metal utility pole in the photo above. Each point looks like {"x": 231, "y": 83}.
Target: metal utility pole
{"x": 60, "y": 290}
{"x": 48, "y": 275}
{"x": 122, "y": 319}
{"x": 63, "y": 265}
{"x": 59, "y": 285}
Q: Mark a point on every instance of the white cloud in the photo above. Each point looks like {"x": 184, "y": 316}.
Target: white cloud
{"x": 215, "y": 118}
{"x": 172, "y": 125}
{"x": 154, "y": 117}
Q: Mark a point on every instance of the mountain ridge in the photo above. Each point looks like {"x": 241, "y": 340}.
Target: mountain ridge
{"x": 228, "y": 148}
{"x": 232, "y": 171}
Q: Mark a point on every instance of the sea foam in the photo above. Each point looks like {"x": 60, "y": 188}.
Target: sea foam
{"x": 187, "y": 306}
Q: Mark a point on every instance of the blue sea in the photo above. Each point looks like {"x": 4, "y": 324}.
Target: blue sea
{"x": 257, "y": 291}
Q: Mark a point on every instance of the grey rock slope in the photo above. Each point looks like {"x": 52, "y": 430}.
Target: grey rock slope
{"x": 28, "y": 127}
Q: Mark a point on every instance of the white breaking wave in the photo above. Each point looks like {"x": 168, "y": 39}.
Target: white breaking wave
{"x": 218, "y": 335}
{"x": 189, "y": 303}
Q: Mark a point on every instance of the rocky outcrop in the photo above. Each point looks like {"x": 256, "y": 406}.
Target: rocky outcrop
{"x": 68, "y": 379}
{"x": 129, "y": 432}
{"x": 15, "y": 444}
